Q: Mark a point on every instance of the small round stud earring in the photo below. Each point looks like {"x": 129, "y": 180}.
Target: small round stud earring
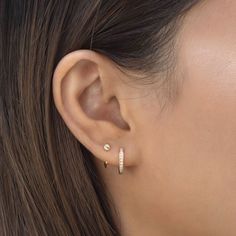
{"x": 107, "y": 147}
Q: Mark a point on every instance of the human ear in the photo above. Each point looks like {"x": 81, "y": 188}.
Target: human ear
{"x": 88, "y": 90}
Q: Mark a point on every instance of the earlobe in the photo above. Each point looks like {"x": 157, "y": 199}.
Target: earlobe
{"x": 83, "y": 96}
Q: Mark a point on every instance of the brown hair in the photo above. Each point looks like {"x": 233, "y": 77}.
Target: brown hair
{"x": 48, "y": 182}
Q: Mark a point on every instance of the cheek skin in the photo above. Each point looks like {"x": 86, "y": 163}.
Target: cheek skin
{"x": 192, "y": 150}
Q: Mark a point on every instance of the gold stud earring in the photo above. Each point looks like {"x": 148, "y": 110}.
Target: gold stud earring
{"x": 107, "y": 147}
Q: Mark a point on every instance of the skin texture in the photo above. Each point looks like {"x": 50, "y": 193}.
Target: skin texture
{"x": 180, "y": 164}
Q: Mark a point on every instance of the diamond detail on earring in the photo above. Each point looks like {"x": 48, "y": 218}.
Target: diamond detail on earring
{"x": 121, "y": 161}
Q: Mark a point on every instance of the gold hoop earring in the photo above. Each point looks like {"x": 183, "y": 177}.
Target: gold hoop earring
{"x": 121, "y": 158}
{"x": 105, "y": 164}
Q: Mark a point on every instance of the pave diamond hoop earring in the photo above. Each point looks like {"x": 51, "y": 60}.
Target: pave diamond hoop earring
{"x": 121, "y": 158}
